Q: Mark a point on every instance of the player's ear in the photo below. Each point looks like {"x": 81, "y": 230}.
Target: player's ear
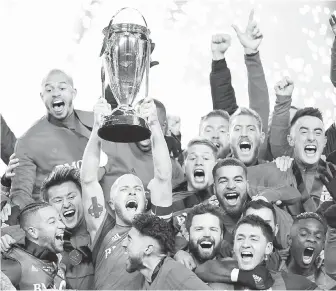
{"x": 290, "y": 140}
{"x": 276, "y": 229}
{"x": 111, "y": 203}
{"x": 269, "y": 248}
{"x": 262, "y": 137}
{"x": 33, "y": 232}
{"x": 149, "y": 250}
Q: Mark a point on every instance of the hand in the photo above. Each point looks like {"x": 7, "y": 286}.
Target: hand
{"x": 283, "y": 163}
{"x": 100, "y": 110}
{"x": 213, "y": 200}
{"x": 284, "y": 87}
{"x": 319, "y": 260}
{"x": 219, "y": 45}
{"x": 147, "y": 110}
{"x": 327, "y": 175}
{"x": 13, "y": 163}
{"x": 6, "y": 211}
{"x": 260, "y": 197}
{"x": 332, "y": 21}
{"x": 6, "y": 243}
{"x": 330, "y": 216}
{"x": 252, "y": 37}
{"x": 174, "y": 124}
{"x": 185, "y": 259}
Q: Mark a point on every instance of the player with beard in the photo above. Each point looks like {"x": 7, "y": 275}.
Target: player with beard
{"x": 127, "y": 198}
{"x": 33, "y": 266}
{"x": 306, "y": 242}
{"x": 148, "y": 246}
{"x": 199, "y": 160}
{"x": 62, "y": 190}
{"x": 252, "y": 243}
{"x": 307, "y": 137}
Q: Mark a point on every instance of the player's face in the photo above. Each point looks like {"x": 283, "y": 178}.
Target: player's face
{"x": 245, "y": 138}
{"x": 130, "y": 199}
{"x": 205, "y": 236}
{"x": 198, "y": 166}
{"x": 144, "y": 145}
{"x": 216, "y": 129}
{"x": 133, "y": 246}
{"x": 50, "y": 229}
{"x": 309, "y": 139}
{"x": 67, "y": 200}
{"x": 250, "y": 246}
{"x": 231, "y": 189}
{"x": 307, "y": 242}
{"x": 58, "y": 94}
{"x": 266, "y": 214}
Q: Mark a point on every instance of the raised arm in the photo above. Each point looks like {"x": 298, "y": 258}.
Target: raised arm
{"x": 257, "y": 86}
{"x": 160, "y": 186}
{"x": 280, "y": 125}
{"x": 92, "y": 193}
{"x": 332, "y": 21}
{"x": 8, "y": 141}
{"x": 222, "y": 92}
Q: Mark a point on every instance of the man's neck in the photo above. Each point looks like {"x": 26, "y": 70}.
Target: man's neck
{"x": 149, "y": 267}
{"x": 294, "y": 268}
{"x": 304, "y": 166}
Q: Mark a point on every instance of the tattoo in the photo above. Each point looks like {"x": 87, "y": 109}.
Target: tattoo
{"x": 95, "y": 210}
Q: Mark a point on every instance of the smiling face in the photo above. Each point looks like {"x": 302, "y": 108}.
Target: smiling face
{"x": 66, "y": 199}
{"x": 307, "y": 241}
{"x": 129, "y": 198}
{"x": 245, "y": 138}
{"x": 308, "y": 138}
{"x": 205, "y": 236}
{"x": 50, "y": 229}
{"x": 250, "y": 246}
{"x": 58, "y": 94}
{"x": 230, "y": 187}
{"x": 216, "y": 129}
{"x": 198, "y": 167}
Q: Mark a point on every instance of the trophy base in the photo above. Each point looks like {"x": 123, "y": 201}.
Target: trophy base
{"x": 124, "y": 129}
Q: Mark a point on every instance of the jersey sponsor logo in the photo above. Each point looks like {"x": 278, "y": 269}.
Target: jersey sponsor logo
{"x": 39, "y": 287}
{"x": 108, "y": 251}
{"x": 75, "y": 164}
{"x": 259, "y": 282}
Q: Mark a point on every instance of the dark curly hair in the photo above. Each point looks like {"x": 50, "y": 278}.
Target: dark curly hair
{"x": 157, "y": 228}
{"x": 229, "y": 162}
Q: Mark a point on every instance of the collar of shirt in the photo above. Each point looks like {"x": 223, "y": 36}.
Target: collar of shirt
{"x": 39, "y": 252}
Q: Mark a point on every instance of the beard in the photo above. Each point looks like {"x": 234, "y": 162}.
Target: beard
{"x": 236, "y": 210}
{"x": 134, "y": 264}
{"x": 120, "y": 212}
{"x": 252, "y": 157}
{"x": 200, "y": 257}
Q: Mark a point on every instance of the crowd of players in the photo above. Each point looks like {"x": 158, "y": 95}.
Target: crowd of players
{"x": 249, "y": 204}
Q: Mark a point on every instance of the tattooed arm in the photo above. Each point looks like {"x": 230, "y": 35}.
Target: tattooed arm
{"x": 92, "y": 193}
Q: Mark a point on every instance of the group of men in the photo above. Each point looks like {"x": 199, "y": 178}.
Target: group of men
{"x": 248, "y": 205}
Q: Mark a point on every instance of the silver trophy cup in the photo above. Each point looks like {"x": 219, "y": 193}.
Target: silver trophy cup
{"x": 125, "y": 56}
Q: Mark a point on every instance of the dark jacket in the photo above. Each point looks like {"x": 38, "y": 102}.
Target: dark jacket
{"x": 8, "y": 141}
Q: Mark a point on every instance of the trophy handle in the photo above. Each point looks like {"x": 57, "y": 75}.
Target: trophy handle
{"x": 124, "y": 8}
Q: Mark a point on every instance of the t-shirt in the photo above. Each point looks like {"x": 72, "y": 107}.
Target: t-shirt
{"x": 110, "y": 259}
{"x": 127, "y": 158}
{"x": 175, "y": 276}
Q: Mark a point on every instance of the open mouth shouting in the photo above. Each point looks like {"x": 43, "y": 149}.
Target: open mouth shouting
{"x": 245, "y": 146}
{"x": 246, "y": 256}
{"x": 131, "y": 205}
{"x": 58, "y": 106}
{"x": 206, "y": 246}
{"x": 217, "y": 144}
{"x": 310, "y": 150}
{"x": 231, "y": 198}
{"x": 308, "y": 255}
{"x": 69, "y": 214}
{"x": 60, "y": 237}
{"x": 199, "y": 175}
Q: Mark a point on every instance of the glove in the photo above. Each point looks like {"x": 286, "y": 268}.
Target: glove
{"x": 327, "y": 175}
{"x": 257, "y": 279}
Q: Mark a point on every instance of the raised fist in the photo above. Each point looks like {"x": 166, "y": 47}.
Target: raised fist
{"x": 332, "y": 21}
{"x": 284, "y": 87}
{"x": 147, "y": 110}
{"x": 174, "y": 124}
{"x": 219, "y": 45}
{"x": 100, "y": 110}
{"x": 252, "y": 37}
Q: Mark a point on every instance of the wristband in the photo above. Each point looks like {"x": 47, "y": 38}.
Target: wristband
{"x": 234, "y": 275}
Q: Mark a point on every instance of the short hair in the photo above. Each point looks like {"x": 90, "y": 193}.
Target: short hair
{"x": 29, "y": 210}
{"x": 256, "y": 221}
{"x": 201, "y": 141}
{"x": 307, "y": 111}
{"x": 229, "y": 162}
{"x": 216, "y": 113}
{"x": 58, "y": 176}
{"x": 156, "y": 228}
{"x": 249, "y": 112}
{"x": 311, "y": 215}
{"x": 259, "y": 204}
{"x": 205, "y": 208}
{"x": 58, "y": 71}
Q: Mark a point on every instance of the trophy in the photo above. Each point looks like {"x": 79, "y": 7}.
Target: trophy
{"x": 125, "y": 57}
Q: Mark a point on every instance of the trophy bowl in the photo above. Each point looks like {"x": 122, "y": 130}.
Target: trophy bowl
{"x": 125, "y": 57}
